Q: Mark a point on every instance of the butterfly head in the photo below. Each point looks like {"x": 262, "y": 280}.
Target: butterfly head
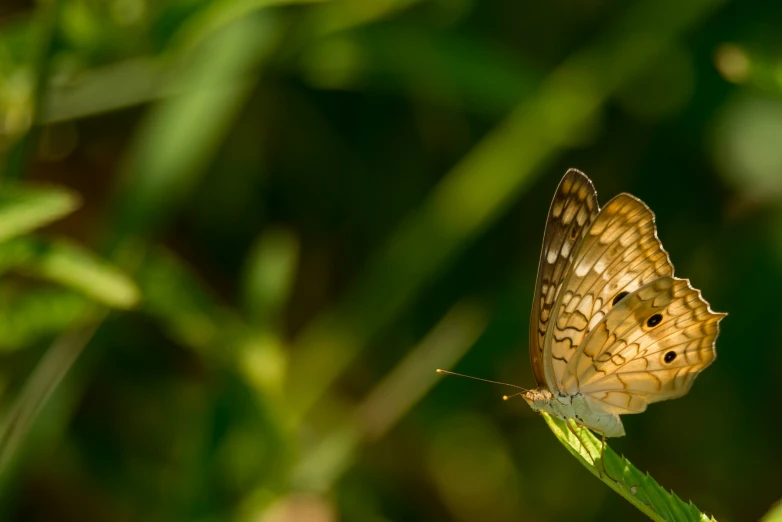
{"x": 538, "y": 398}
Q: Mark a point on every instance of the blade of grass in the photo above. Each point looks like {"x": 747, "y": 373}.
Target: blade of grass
{"x": 636, "y": 487}
{"x": 268, "y": 276}
{"x": 72, "y": 266}
{"x": 48, "y": 16}
{"x": 394, "y": 396}
{"x": 774, "y": 514}
{"x": 178, "y": 139}
{"x": 25, "y": 208}
{"x": 32, "y": 316}
{"x": 52, "y": 368}
{"x": 412, "y": 378}
{"x": 95, "y": 91}
{"x": 339, "y": 15}
{"x": 220, "y": 14}
{"x": 479, "y": 189}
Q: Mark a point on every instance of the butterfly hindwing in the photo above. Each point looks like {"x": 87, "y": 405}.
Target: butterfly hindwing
{"x": 573, "y": 209}
{"x": 648, "y": 348}
{"x": 620, "y": 253}
{"x": 612, "y": 329}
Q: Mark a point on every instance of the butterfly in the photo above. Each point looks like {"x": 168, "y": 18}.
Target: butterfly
{"x": 612, "y": 330}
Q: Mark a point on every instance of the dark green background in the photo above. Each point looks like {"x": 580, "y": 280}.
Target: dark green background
{"x": 314, "y": 196}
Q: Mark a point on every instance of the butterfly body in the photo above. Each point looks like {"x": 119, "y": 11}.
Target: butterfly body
{"x": 574, "y": 407}
{"x": 612, "y": 330}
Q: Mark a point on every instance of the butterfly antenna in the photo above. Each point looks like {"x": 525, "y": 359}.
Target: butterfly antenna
{"x": 505, "y": 397}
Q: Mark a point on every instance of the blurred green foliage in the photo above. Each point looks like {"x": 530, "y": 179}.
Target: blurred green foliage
{"x": 238, "y": 236}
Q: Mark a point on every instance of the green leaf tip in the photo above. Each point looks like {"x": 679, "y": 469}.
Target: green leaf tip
{"x": 73, "y": 266}
{"x": 637, "y": 487}
{"x": 24, "y": 208}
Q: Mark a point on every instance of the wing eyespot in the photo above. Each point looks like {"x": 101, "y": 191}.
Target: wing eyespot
{"x": 619, "y": 297}
{"x": 670, "y": 356}
{"x": 654, "y": 320}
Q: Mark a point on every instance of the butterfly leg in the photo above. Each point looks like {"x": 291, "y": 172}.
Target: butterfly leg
{"x": 603, "y": 458}
{"x": 583, "y": 446}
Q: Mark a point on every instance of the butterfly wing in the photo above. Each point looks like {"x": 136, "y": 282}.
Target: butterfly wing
{"x": 573, "y": 209}
{"x": 648, "y": 348}
{"x": 620, "y": 253}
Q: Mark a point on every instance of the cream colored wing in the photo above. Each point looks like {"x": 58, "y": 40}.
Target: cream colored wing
{"x": 620, "y": 252}
{"x": 648, "y": 348}
{"x": 572, "y": 210}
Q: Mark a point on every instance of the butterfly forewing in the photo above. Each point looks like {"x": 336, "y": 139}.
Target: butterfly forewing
{"x": 572, "y": 211}
{"x": 620, "y": 253}
{"x": 648, "y": 348}
{"x": 612, "y": 329}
